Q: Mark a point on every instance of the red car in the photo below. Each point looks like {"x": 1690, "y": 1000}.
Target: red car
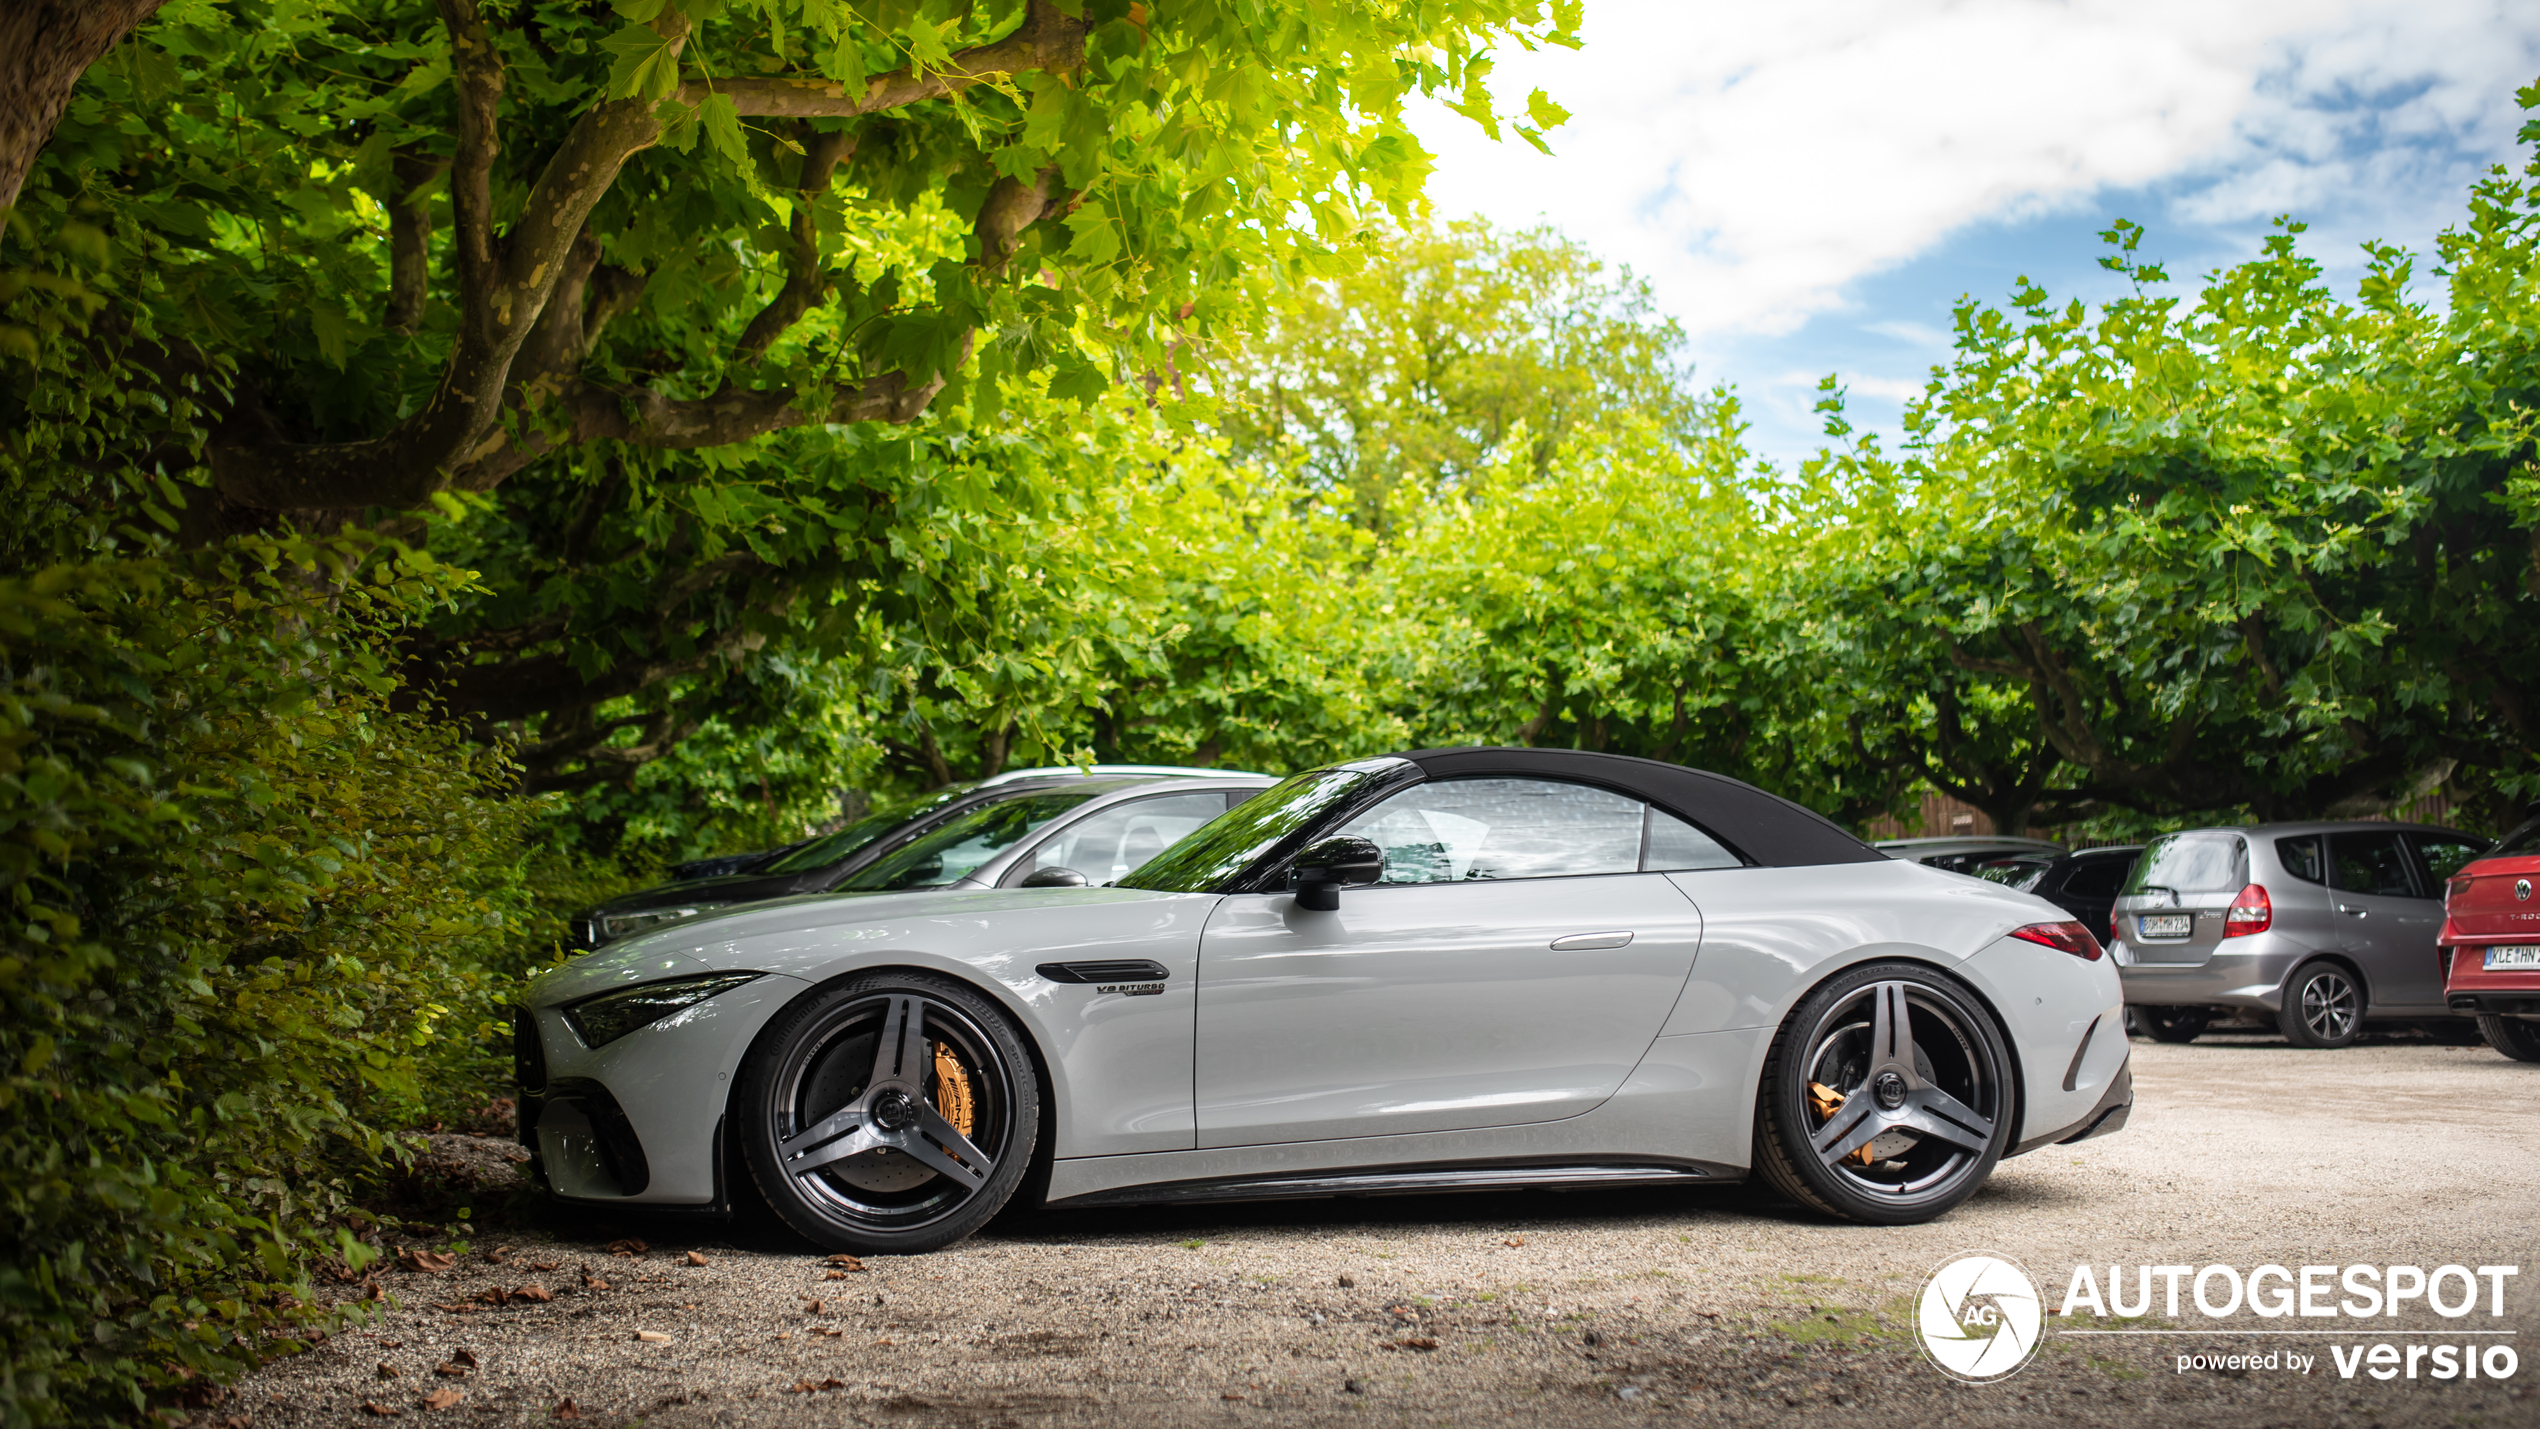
{"x": 2491, "y": 943}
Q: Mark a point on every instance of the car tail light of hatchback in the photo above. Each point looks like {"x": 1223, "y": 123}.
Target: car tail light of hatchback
{"x": 2070, "y": 938}
{"x": 2250, "y": 913}
{"x": 2453, "y": 886}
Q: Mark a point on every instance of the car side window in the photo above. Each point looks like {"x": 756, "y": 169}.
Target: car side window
{"x": 2369, "y": 863}
{"x": 1467, "y": 830}
{"x": 1676, "y": 846}
{"x": 2444, "y": 854}
{"x": 2301, "y": 858}
{"x": 1107, "y": 845}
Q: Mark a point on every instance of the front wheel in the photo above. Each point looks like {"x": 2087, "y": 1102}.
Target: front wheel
{"x": 2323, "y": 1006}
{"x": 890, "y": 1114}
{"x": 1887, "y": 1097}
{"x": 2514, "y": 1036}
{"x": 2170, "y": 1024}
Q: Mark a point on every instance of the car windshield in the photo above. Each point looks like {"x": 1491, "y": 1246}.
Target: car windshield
{"x": 949, "y": 853}
{"x": 845, "y": 843}
{"x": 1219, "y": 850}
{"x": 2191, "y": 863}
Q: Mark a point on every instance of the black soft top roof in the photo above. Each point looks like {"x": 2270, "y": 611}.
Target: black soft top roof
{"x": 1766, "y": 828}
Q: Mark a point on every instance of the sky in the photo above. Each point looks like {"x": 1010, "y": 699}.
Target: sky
{"x": 1809, "y": 185}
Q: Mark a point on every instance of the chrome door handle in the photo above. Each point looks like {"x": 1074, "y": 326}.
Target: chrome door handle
{"x": 2354, "y": 912}
{"x": 1579, "y": 942}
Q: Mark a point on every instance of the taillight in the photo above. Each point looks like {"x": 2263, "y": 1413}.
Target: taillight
{"x": 2459, "y": 883}
{"x": 2250, "y": 913}
{"x": 2070, "y": 938}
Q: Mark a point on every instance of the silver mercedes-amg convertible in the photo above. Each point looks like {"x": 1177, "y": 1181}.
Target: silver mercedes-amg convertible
{"x": 1444, "y": 970}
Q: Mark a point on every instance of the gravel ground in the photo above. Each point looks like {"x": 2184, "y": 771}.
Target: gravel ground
{"x": 1577, "y": 1309}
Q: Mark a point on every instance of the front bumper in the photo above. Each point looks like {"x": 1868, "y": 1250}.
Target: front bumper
{"x": 639, "y": 1119}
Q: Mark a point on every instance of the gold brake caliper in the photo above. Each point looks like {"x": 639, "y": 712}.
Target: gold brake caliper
{"x": 1826, "y": 1101}
{"x": 952, "y": 1089}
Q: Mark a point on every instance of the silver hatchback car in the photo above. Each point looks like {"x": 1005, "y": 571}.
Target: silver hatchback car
{"x": 2319, "y": 926}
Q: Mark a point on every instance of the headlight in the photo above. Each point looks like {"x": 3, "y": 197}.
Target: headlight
{"x": 601, "y": 1020}
{"x": 614, "y": 926}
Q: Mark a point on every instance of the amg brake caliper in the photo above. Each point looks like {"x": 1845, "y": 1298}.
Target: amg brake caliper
{"x": 952, "y": 1089}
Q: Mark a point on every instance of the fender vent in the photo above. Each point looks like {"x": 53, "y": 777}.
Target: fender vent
{"x": 1117, "y": 970}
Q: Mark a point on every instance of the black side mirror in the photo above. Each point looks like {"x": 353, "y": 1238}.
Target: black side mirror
{"x": 1053, "y": 878}
{"x": 1325, "y": 868}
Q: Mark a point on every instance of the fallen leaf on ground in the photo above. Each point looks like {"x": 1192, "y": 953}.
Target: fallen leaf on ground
{"x": 442, "y": 1398}
{"x": 498, "y": 1253}
{"x": 373, "y": 1290}
{"x": 1419, "y": 1344}
{"x": 1230, "y": 1396}
{"x": 695, "y": 1259}
{"x": 628, "y": 1246}
{"x": 844, "y": 1262}
{"x": 833, "y": 1334}
{"x": 1348, "y": 1281}
{"x": 429, "y": 1262}
{"x": 593, "y": 1282}
{"x": 804, "y": 1386}
{"x": 568, "y": 1410}
{"x": 546, "y": 1265}
{"x": 387, "y": 1370}
{"x": 652, "y": 1337}
{"x": 834, "y": 1275}
{"x": 495, "y": 1295}
{"x": 463, "y": 1357}
{"x": 535, "y": 1294}
{"x": 812, "y": 1307}
{"x": 449, "y": 1371}
{"x": 370, "y": 1406}
{"x": 455, "y": 1307}
{"x": 1514, "y": 1241}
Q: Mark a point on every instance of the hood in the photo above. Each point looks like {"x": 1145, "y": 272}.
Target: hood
{"x": 800, "y": 934}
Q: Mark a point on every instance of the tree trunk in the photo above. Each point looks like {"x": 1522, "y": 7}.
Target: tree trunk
{"x": 45, "y": 46}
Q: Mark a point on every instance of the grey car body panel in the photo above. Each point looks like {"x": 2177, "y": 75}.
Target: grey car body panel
{"x": 1676, "y": 1087}
{"x": 1431, "y": 1006}
{"x": 2248, "y": 973}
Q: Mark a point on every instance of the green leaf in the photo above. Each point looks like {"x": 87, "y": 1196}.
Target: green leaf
{"x": 723, "y": 126}
{"x": 645, "y": 66}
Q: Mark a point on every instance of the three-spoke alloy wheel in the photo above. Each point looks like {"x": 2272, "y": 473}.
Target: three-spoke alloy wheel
{"x": 1887, "y": 1097}
{"x": 2323, "y": 1006}
{"x": 889, "y": 1114}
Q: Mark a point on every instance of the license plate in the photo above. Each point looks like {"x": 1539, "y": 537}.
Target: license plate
{"x": 2517, "y": 957}
{"x": 2166, "y": 925}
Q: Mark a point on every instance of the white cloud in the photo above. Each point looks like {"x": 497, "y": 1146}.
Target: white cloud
{"x": 1753, "y": 160}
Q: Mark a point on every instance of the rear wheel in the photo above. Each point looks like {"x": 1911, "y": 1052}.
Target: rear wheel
{"x": 1887, "y": 1097}
{"x": 2516, "y": 1037}
{"x": 889, "y": 1114}
{"x": 2323, "y": 1006}
{"x": 2170, "y": 1024}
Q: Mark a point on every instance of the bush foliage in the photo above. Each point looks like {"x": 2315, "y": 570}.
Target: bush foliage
{"x": 256, "y": 917}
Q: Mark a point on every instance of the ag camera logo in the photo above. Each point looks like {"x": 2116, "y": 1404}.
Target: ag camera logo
{"x": 1980, "y": 1318}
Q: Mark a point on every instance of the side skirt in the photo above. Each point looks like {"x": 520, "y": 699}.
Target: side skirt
{"x": 1410, "y": 1181}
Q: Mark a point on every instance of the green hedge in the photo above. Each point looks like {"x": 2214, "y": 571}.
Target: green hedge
{"x": 257, "y": 913}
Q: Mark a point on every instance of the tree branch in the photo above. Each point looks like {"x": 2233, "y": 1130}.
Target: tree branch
{"x": 45, "y": 46}
{"x": 410, "y": 237}
{"x": 805, "y": 283}
{"x": 505, "y": 287}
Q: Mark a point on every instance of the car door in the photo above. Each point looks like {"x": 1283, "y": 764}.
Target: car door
{"x": 2438, "y": 857}
{"x": 2382, "y": 921}
{"x": 1511, "y": 967}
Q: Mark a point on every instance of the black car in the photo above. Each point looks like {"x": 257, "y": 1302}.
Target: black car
{"x": 953, "y": 838}
{"x": 2085, "y": 884}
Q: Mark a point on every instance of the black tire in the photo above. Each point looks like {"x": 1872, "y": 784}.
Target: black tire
{"x": 2323, "y": 1005}
{"x": 2516, "y": 1037}
{"x": 1928, "y": 1153}
{"x": 2170, "y": 1024}
{"x": 917, "y": 1090}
